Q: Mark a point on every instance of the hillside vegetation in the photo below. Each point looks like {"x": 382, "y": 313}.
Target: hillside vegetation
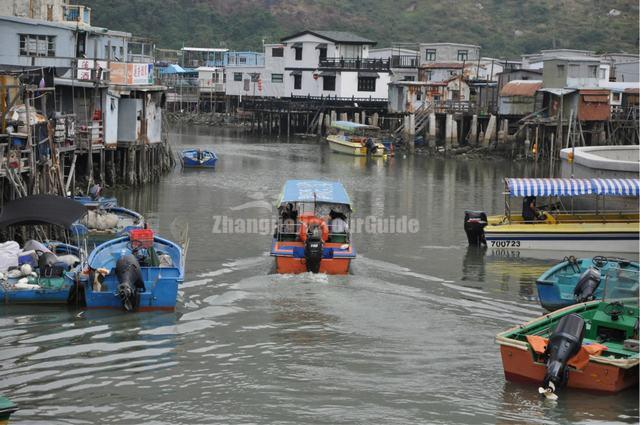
{"x": 504, "y": 28}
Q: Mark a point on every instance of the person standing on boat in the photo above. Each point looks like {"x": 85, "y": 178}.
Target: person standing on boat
{"x": 337, "y": 223}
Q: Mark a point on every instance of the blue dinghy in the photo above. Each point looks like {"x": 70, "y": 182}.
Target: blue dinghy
{"x": 102, "y": 224}
{"x": 137, "y": 272}
{"x": 42, "y": 272}
{"x": 95, "y": 199}
{"x": 577, "y": 280}
{"x": 198, "y": 158}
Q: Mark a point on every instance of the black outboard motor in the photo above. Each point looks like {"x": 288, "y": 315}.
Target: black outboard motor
{"x": 587, "y": 285}
{"x": 371, "y": 147}
{"x": 564, "y": 343}
{"x": 130, "y": 281}
{"x": 313, "y": 249}
{"x": 474, "y": 224}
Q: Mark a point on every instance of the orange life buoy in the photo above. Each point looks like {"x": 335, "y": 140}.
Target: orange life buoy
{"x": 304, "y": 228}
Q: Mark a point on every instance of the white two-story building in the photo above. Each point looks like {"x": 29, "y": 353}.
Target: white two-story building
{"x": 335, "y": 64}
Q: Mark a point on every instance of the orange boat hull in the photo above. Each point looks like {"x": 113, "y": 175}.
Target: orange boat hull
{"x": 290, "y": 265}
{"x": 520, "y": 366}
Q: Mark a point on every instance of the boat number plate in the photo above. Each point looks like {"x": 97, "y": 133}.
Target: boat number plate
{"x": 504, "y": 244}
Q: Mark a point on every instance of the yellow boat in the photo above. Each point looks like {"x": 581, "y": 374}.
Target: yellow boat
{"x": 356, "y": 139}
{"x": 557, "y": 228}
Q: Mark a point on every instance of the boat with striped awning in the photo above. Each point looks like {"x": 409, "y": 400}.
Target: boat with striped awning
{"x": 558, "y": 225}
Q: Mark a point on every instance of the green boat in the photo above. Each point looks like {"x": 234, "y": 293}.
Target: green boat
{"x": 589, "y": 346}
{"x": 7, "y": 407}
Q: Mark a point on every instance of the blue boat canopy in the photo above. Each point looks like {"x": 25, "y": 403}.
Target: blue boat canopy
{"x": 572, "y": 187}
{"x": 352, "y": 126}
{"x": 314, "y": 190}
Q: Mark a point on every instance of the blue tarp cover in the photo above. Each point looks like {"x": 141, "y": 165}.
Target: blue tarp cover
{"x": 572, "y": 187}
{"x": 318, "y": 190}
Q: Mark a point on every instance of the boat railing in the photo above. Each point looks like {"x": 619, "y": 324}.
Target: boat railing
{"x": 582, "y": 217}
{"x": 291, "y": 231}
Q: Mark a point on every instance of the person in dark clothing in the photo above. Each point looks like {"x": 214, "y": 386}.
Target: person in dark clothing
{"x": 290, "y": 213}
{"x": 529, "y": 211}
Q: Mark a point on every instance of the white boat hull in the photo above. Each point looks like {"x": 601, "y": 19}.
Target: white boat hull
{"x": 569, "y": 242}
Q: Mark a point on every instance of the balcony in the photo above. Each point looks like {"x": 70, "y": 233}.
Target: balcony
{"x": 404, "y": 61}
{"x": 76, "y": 13}
{"x": 355, "y": 64}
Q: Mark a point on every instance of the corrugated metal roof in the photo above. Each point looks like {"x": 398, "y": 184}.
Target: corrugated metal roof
{"x": 521, "y": 88}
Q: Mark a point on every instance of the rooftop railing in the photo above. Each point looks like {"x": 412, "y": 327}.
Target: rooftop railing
{"x": 355, "y": 63}
{"x": 404, "y": 61}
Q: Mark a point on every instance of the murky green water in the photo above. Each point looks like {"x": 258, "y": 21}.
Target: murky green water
{"x": 407, "y": 338}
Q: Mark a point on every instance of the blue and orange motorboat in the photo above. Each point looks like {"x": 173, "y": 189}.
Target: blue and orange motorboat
{"x": 312, "y": 234}
{"x": 198, "y": 158}
{"x": 578, "y": 280}
{"x": 136, "y": 272}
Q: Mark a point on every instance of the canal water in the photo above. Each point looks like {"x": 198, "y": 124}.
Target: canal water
{"x": 407, "y": 338}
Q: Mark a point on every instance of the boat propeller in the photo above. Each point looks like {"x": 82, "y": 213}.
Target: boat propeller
{"x": 549, "y": 392}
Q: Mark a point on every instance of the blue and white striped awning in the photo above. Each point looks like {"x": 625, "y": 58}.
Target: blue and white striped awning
{"x": 572, "y": 187}
{"x": 619, "y": 187}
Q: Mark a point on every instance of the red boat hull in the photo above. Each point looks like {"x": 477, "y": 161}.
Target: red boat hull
{"x": 519, "y": 365}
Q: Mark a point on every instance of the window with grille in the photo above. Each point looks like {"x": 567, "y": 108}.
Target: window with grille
{"x": 277, "y": 52}
{"x": 366, "y": 84}
{"x": 37, "y": 45}
{"x": 276, "y": 78}
{"x": 329, "y": 82}
{"x": 237, "y": 76}
{"x": 463, "y": 55}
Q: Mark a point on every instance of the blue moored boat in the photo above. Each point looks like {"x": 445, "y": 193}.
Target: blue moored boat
{"x": 137, "y": 272}
{"x": 102, "y": 224}
{"x": 576, "y": 280}
{"x": 199, "y": 158}
{"x": 45, "y": 271}
{"x": 95, "y": 199}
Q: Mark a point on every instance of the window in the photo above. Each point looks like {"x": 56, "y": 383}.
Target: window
{"x": 409, "y": 78}
{"x": 224, "y": 78}
{"x": 255, "y": 77}
{"x": 277, "y": 52}
{"x": 463, "y": 55}
{"x": 603, "y": 73}
{"x": 329, "y": 82}
{"x": 574, "y": 70}
{"x": 593, "y": 71}
{"x": 560, "y": 70}
{"x": 37, "y": 45}
{"x": 323, "y": 53}
{"x": 366, "y": 84}
{"x": 298, "y": 53}
{"x": 430, "y": 55}
{"x": 297, "y": 82}
{"x": 616, "y": 97}
{"x": 429, "y": 75}
{"x": 277, "y": 78}
{"x": 237, "y": 76}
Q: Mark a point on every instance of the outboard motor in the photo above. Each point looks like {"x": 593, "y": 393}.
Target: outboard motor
{"x": 130, "y": 281}
{"x": 587, "y": 285}
{"x": 474, "y": 224}
{"x": 313, "y": 249}
{"x": 371, "y": 147}
{"x": 49, "y": 266}
{"x": 564, "y": 343}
